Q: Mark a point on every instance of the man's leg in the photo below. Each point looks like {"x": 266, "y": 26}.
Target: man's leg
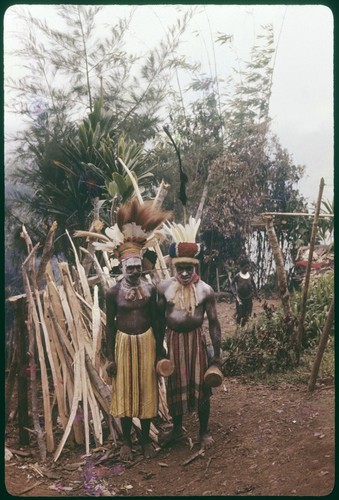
{"x": 174, "y": 434}
{"x": 239, "y": 313}
{"x": 206, "y": 440}
{"x": 126, "y": 449}
{"x": 147, "y": 447}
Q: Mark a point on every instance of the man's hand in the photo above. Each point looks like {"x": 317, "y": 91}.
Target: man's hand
{"x": 216, "y": 361}
{"x": 111, "y": 369}
{"x": 161, "y": 353}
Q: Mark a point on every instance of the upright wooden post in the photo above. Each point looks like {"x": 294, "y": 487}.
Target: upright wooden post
{"x": 321, "y": 347}
{"x": 308, "y": 272}
{"x": 23, "y": 420}
{"x": 10, "y": 381}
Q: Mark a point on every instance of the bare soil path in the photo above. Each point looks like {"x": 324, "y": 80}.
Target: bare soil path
{"x": 269, "y": 441}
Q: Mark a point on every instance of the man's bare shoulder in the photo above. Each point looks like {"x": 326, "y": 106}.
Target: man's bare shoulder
{"x": 113, "y": 290}
{"x": 165, "y": 284}
{"x": 204, "y": 289}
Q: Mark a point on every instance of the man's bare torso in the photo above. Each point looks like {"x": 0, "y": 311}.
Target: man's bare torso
{"x": 133, "y": 316}
{"x": 178, "y": 319}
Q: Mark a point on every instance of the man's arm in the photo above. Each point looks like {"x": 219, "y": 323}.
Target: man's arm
{"x": 234, "y": 288}
{"x": 111, "y": 330}
{"x": 156, "y": 322}
{"x": 161, "y": 308}
{"x": 254, "y": 287}
{"x": 214, "y": 327}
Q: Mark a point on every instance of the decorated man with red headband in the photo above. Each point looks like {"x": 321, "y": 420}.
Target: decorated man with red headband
{"x": 183, "y": 301}
{"x": 133, "y": 341}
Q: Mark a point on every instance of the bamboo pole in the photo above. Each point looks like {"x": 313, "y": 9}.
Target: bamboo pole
{"x": 203, "y": 197}
{"x": 161, "y": 194}
{"x": 22, "y": 386}
{"x": 104, "y": 278}
{"x": 44, "y": 378}
{"x": 35, "y": 327}
{"x": 74, "y": 408}
{"x": 32, "y": 372}
{"x": 96, "y": 329}
{"x": 69, "y": 381}
{"x": 97, "y": 428}
{"x": 78, "y": 339}
{"x": 63, "y": 316}
{"x": 81, "y": 272}
{"x": 301, "y": 318}
{"x": 321, "y": 347}
{"x": 295, "y": 214}
{"x": 47, "y": 252}
{"x": 53, "y": 351}
{"x": 103, "y": 395}
{"x": 10, "y": 382}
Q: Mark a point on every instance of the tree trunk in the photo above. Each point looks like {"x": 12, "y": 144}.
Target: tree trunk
{"x": 279, "y": 263}
{"x": 203, "y": 198}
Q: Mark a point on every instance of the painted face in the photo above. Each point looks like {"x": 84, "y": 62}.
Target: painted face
{"x": 131, "y": 269}
{"x": 184, "y": 272}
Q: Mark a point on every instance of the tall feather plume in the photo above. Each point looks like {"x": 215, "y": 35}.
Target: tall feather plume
{"x": 180, "y": 233}
{"x": 146, "y": 216}
{"x": 135, "y": 223}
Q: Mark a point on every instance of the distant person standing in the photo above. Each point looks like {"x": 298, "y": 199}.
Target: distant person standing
{"x": 244, "y": 289}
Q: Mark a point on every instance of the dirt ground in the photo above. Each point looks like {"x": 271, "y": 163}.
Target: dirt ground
{"x": 269, "y": 441}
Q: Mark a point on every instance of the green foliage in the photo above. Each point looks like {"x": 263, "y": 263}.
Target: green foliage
{"x": 263, "y": 347}
{"x": 69, "y": 177}
{"x": 319, "y": 297}
{"x": 326, "y": 224}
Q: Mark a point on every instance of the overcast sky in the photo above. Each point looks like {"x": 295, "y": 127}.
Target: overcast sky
{"x": 302, "y": 96}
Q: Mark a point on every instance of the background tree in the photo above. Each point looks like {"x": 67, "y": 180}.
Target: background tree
{"x": 68, "y": 70}
{"x": 227, "y": 151}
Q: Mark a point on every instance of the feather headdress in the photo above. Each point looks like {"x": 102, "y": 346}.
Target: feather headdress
{"x": 184, "y": 247}
{"x": 135, "y": 229}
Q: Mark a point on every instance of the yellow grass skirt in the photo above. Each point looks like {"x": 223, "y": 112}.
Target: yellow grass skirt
{"x": 135, "y": 386}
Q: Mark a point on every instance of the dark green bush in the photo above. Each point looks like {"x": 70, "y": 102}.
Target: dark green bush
{"x": 265, "y": 346}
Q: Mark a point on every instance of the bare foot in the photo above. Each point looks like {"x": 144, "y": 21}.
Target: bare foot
{"x": 148, "y": 450}
{"x": 206, "y": 441}
{"x": 170, "y": 437}
{"x": 126, "y": 453}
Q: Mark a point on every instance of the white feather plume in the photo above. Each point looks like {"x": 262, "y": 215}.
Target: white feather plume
{"x": 180, "y": 233}
{"x": 109, "y": 246}
{"x": 132, "y": 230}
{"x": 114, "y": 234}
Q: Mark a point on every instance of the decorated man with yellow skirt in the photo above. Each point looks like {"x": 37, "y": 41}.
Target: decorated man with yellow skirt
{"x": 133, "y": 341}
{"x": 183, "y": 301}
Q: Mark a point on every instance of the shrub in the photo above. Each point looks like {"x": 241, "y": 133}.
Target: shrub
{"x": 263, "y": 346}
{"x": 319, "y": 297}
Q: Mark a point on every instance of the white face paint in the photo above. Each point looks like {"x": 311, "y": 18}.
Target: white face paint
{"x": 131, "y": 269}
